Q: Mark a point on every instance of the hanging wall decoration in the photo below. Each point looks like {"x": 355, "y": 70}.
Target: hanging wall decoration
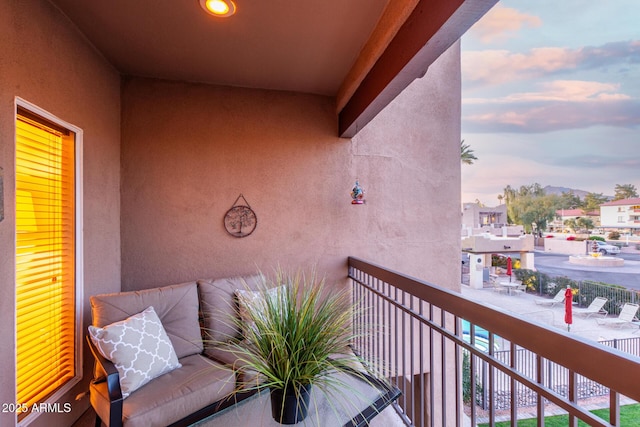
{"x": 240, "y": 220}
{"x": 357, "y": 194}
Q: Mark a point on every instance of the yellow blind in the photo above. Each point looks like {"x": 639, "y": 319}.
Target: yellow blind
{"x": 45, "y": 260}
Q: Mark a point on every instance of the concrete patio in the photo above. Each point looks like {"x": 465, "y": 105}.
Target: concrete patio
{"x": 524, "y": 305}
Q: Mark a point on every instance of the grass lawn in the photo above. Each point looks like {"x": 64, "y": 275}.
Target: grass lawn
{"x": 629, "y": 416}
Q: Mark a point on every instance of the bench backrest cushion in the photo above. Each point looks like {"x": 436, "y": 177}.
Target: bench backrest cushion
{"x": 219, "y": 305}
{"x": 175, "y": 305}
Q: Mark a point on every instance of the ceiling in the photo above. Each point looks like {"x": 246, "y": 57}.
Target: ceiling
{"x": 363, "y": 52}
{"x": 302, "y": 46}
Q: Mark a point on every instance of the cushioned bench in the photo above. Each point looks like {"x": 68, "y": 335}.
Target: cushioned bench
{"x": 179, "y": 377}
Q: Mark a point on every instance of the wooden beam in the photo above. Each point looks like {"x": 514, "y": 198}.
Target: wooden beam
{"x": 432, "y": 27}
{"x": 393, "y": 18}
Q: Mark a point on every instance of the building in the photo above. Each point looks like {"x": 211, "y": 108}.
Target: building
{"x": 558, "y": 224}
{"x": 476, "y": 215}
{"x": 623, "y": 215}
{"x": 177, "y": 115}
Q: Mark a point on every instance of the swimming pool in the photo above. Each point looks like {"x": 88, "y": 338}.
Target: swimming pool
{"x": 481, "y": 337}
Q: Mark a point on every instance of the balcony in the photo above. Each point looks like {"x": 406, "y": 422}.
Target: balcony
{"x": 417, "y": 343}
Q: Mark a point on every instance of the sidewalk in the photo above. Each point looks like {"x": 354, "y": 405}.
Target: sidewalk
{"x": 525, "y": 306}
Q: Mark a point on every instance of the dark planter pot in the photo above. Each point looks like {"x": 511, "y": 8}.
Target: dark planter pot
{"x": 289, "y": 407}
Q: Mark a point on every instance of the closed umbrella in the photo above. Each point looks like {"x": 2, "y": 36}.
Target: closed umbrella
{"x": 509, "y": 268}
{"x": 568, "y": 307}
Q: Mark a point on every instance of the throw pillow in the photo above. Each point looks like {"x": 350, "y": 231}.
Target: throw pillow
{"x": 138, "y": 347}
{"x": 253, "y": 303}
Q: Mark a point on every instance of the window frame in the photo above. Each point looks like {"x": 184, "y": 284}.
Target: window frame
{"x": 79, "y": 255}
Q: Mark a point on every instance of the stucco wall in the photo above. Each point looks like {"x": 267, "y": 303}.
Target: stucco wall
{"x": 45, "y": 62}
{"x": 563, "y": 246}
{"x": 189, "y": 150}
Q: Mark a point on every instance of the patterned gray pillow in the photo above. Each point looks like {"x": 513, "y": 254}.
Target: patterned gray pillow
{"x": 138, "y": 347}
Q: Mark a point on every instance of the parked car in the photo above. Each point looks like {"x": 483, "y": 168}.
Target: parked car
{"x": 607, "y": 249}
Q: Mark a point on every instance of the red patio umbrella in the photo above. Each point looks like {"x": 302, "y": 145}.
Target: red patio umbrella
{"x": 509, "y": 268}
{"x": 568, "y": 310}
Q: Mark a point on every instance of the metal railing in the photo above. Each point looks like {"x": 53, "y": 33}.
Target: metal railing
{"x": 554, "y": 377}
{"x": 411, "y": 333}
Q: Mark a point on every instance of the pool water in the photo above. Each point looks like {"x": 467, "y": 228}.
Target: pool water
{"x": 481, "y": 337}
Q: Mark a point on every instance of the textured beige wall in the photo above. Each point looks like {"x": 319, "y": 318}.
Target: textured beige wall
{"x": 189, "y": 150}
{"x": 44, "y": 61}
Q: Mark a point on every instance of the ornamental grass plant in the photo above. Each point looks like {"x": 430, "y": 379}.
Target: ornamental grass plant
{"x": 296, "y": 332}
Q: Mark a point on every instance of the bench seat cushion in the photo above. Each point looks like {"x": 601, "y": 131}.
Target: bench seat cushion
{"x": 219, "y": 306}
{"x": 176, "y": 306}
{"x": 172, "y": 396}
{"x": 225, "y": 354}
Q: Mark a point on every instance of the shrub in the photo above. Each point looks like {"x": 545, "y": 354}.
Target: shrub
{"x": 600, "y": 238}
{"x": 466, "y": 381}
{"x": 615, "y": 294}
{"x": 498, "y": 261}
{"x": 562, "y": 282}
{"x": 614, "y": 235}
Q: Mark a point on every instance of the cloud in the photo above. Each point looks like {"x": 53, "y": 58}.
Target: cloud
{"x": 560, "y": 90}
{"x": 501, "y": 23}
{"x": 539, "y": 117}
{"x": 492, "y": 67}
{"x": 597, "y": 161}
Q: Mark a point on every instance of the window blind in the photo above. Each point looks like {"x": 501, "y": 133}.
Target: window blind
{"x": 45, "y": 259}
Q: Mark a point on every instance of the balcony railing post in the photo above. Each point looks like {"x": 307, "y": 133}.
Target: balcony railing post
{"x": 540, "y": 400}
{"x": 614, "y": 408}
{"x": 514, "y": 385}
{"x": 573, "y": 396}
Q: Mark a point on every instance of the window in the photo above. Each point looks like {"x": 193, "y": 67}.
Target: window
{"x": 48, "y": 283}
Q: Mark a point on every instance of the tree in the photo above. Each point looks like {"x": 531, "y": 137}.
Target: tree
{"x": 530, "y": 206}
{"x": 571, "y": 224}
{"x": 466, "y": 154}
{"x": 569, "y": 200}
{"x": 584, "y": 223}
{"x": 592, "y": 201}
{"x": 509, "y": 194}
{"x": 625, "y": 191}
{"x": 579, "y": 224}
{"x": 500, "y": 197}
{"x": 536, "y": 210}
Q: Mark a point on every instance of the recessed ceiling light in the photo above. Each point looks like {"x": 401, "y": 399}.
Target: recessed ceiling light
{"x": 222, "y": 8}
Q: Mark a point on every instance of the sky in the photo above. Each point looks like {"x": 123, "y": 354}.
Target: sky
{"x": 551, "y": 95}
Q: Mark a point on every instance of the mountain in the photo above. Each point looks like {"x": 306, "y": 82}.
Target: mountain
{"x": 550, "y": 189}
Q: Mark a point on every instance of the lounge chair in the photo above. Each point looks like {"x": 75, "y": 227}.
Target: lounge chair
{"x": 558, "y": 299}
{"x": 521, "y": 289}
{"x": 493, "y": 279}
{"x": 596, "y": 307}
{"x": 626, "y": 317}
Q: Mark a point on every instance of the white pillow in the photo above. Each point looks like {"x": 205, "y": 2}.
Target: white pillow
{"x": 254, "y": 301}
{"x": 138, "y": 347}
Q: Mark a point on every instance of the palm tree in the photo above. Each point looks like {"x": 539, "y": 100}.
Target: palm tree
{"x": 466, "y": 153}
